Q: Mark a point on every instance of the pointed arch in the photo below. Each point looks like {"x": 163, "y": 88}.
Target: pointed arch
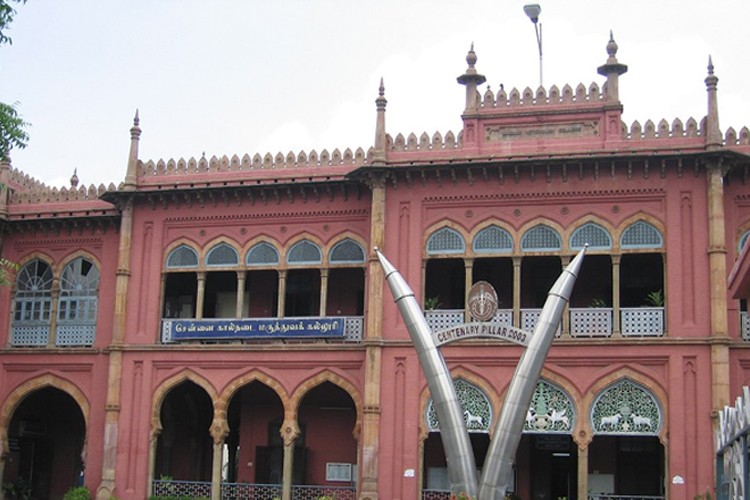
{"x": 16, "y": 396}
{"x": 541, "y": 235}
{"x": 644, "y": 218}
{"x": 346, "y": 251}
{"x": 255, "y": 375}
{"x": 590, "y": 233}
{"x": 303, "y": 250}
{"x": 327, "y": 376}
{"x": 492, "y": 238}
{"x": 161, "y": 391}
{"x": 444, "y": 238}
{"x": 181, "y": 255}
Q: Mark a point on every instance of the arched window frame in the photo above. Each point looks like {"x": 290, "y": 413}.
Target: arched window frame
{"x": 78, "y": 302}
{"x": 638, "y": 412}
{"x": 646, "y": 230}
{"x": 476, "y": 408}
{"x": 32, "y": 305}
{"x": 262, "y": 254}
{"x": 310, "y": 254}
{"x": 352, "y": 251}
{"x": 591, "y": 233}
{"x": 186, "y": 257}
{"x": 480, "y": 245}
{"x": 445, "y": 240}
{"x": 541, "y": 232}
{"x": 222, "y": 255}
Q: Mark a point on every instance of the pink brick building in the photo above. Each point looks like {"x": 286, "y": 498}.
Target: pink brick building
{"x": 219, "y": 327}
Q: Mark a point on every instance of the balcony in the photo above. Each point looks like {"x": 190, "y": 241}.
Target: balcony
{"x": 744, "y": 325}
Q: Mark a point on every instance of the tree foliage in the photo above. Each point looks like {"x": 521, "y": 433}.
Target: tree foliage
{"x": 12, "y": 126}
{"x": 6, "y": 17}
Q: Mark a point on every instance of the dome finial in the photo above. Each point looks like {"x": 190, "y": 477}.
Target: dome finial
{"x": 74, "y": 178}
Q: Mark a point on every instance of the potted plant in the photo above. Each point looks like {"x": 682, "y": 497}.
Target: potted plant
{"x": 655, "y": 298}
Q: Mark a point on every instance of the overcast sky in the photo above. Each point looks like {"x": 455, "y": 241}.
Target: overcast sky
{"x": 258, "y": 76}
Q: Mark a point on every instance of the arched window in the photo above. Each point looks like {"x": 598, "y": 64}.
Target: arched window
{"x": 541, "y": 238}
{"x": 475, "y": 406}
{"x": 222, "y": 255}
{"x": 626, "y": 407}
{"x": 641, "y": 234}
{"x": 304, "y": 252}
{"x": 262, "y": 254}
{"x": 78, "y": 303}
{"x": 181, "y": 257}
{"x": 592, "y": 234}
{"x": 493, "y": 239}
{"x": 32, "y": 304}
{"x": 445, "y": 240}
{"x": 551, "y": 410}
{"x": 347, "y": 251}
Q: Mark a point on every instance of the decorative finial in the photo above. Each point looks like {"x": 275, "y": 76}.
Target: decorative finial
{"x": 710, "y": 66}
{"x": 74, "y": 178}
{"x": 471, "y": 58}
{"x": 136, "y": 120}
{"x": 381, "y": 101}
{"x": 381, "y": 89}
{"x": 611, "y": 46}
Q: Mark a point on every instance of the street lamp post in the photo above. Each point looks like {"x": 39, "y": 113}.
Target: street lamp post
{"x": 533, "y": 10}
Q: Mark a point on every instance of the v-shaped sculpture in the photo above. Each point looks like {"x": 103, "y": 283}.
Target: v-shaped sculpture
{"x": 498, "y": 464}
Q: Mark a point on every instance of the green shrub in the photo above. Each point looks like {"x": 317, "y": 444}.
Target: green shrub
{"x": 77, "y": 493}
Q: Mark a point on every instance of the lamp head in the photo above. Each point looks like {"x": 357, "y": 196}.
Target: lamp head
{"x": 533, "y": 10}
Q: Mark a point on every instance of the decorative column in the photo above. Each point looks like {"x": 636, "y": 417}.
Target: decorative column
{"x": 517, "y": 292}
{"x": 219, "y": 432}
{"x": 565, "y": 323}
{"x": 289, "y": 434}
{"x": 583, "y": 470}
{"x": 616, "y": 326}
{"x": 106, "y": 488}
{"x": 370, "y": 443}
{"x": 241, "y": 275}
{"x": 200, "y": 294}
{"x": 717, "y": 252}
{"x": 54, "y": 297}
{"x": 469, "y": 281}
{"x": 323, "y": 292}
{"x": 153, "y": 442}
{"x": 282, "y": 294}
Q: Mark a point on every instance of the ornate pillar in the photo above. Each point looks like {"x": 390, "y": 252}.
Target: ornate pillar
{"x": 54, "y": 298}
{"x": 583, "y": 470}
{"x": 289, "y": 434}
{"x": 241, "y": 275}
{"x": 717, "y": 262}
{"x": 565, "y": 326}
{"x": 219, "y": 432}
{"x": 282, "y": 294}
{"x": 200, "y": 294}
{"x": 469, "y": 280}
{"x": 369, "y": 442}
{"x": 517, "y": 292}
{"x": 616, "y": 326}
{"x": 323, "y": 291}
{"x": 152, "y": 445}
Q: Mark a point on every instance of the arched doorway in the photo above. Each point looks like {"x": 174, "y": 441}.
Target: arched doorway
{"x": 626, "y": 456}
{"x": 184, "y": 450}
{"x": 46, "y": 440}
{"x": 327, "y": 419}
{"x": 478, "y": 416}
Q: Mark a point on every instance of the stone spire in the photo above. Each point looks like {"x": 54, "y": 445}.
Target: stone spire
{"x": 471, "y": 79}
{"x": 380, "y": 139}
{"x": 612, "y": 70}
{"x": 713, "y": 133}
{"x": 132, "y": 172}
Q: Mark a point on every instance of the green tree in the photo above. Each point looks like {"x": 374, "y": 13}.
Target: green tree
{"x": 12, "y": 126}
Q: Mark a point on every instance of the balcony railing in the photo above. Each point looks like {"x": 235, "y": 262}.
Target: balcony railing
{"x": 642, "y": 321}
{"x": 440, "y": 319}
{"x": 591, "y": 322}
{"x": 199, "y": 490}
{"x": 745, "y": 325}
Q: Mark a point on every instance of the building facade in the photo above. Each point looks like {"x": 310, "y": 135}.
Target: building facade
{"x": 219, "y": 327}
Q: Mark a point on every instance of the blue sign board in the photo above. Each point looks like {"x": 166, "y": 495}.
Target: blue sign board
{"x": 266, "y": 328}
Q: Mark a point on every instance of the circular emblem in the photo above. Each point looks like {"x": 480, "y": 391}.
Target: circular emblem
{"x": 482, "y": 302}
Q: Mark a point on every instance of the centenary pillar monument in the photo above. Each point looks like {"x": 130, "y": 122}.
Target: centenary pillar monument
{"x": 458, "y": 452}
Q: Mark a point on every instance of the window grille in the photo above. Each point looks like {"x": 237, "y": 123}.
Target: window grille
{"x": 551, "y": 410}
{"x": 262, "y": 254}
{"x": 445, "y": 240}
{"x": 475, "y": 406}
{"x": 626, "y": 408}
{"x": 743, "y": 241}
{"x": 32, "y": 304}
{"x": 493, "y": 239}
{"x": 222, "y": 255}
{"x": 541, "y": 238}
{"x": 641, "y": 235}
{"x": 592, "y": 234}
{"x": 347, "y": 252}
{"x": 304, "y": 252}
{"x": 182, "y": 256}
